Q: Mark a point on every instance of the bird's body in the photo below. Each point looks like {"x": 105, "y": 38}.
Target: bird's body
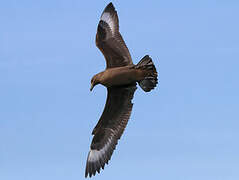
{"x": 120, "y": 78}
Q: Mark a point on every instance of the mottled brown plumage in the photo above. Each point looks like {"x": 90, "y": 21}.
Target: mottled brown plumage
{"x": 120, "y": 78}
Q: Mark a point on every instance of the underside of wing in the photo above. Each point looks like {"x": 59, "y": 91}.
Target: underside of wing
{"x": 110, "y": 41}
{"x": 110, "y": 127}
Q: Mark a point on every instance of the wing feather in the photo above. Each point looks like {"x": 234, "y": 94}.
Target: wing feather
{"x": 110, "y": 41}
{"x": 110, "y": 127}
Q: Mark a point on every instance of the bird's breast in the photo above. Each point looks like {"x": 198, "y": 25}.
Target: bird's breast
{"x": 120, "y": 76}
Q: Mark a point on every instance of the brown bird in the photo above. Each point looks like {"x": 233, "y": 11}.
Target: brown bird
{"x": 120, "y": 78}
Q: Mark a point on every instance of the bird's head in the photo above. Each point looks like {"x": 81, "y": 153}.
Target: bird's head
{"x": 94, "y": 81}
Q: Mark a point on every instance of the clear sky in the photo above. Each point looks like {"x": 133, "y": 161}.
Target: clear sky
{"x": 186, "y": 129}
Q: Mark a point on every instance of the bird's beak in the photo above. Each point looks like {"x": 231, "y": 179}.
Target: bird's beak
{"x": 92, "y": 86}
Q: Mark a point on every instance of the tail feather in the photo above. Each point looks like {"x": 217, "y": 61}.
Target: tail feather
{"x": 151, "y": 80}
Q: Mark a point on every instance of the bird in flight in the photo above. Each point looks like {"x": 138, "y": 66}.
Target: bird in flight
{"x": 120, "y": 78}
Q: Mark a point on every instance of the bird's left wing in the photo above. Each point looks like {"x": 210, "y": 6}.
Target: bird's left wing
{"x": 110, "y": 127}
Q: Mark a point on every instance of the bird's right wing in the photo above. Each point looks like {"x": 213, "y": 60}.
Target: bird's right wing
{"x": 110, "y": 41}
{"x": 110, "y": 127}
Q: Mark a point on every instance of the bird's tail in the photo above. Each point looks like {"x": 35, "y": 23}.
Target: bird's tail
{"x": 151, "y": 79}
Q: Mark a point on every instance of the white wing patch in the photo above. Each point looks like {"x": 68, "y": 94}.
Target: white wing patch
{"x": 95, "y": 155}
{"x": 109, "y": 20}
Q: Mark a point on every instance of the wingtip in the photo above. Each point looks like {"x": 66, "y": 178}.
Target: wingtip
{"x": 92, "y": 170}
{"x": 110, "y": 4}
{"x": 86, "y": 172}
{"x": 93, "y": 167}
{"x": 110, "y": 7}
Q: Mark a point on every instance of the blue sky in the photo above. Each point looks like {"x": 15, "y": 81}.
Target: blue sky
{"x": 185, "y": 129}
